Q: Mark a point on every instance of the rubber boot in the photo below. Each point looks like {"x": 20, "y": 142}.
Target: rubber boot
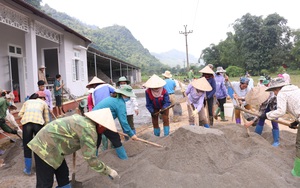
{"x": 206, "y": 126}
{"x": 259, "y": 129}
{"x": 238, "y": 121}
{"x": 223, "y": 117}
{"x": 211, "y": 120}
{"x": 27, "y": 169}
{"x": 157, "y": 131}
{"x": 275, "y": 133}
{"x": 217, "y": 113}
{"x": 121, "y": 153}
{"x": 166, "y": 130}
{"x": 65, "y": 186}
{"x": 296, "y": 169}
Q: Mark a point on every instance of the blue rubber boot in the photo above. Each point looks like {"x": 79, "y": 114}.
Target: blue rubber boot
{"x": 157, "y": 131}
{"x": 206, "y": 126}
{"x": 275, "y": 133}
{"x": 259, "y": 129}
{"x": 27, "y": 169}
{"x": 166, "y": 130}
{"x": 65, "y": 186}
{"x": 296, "y": 169}
{"x": 121, "y": 153}
{"x": 238, "y": 121}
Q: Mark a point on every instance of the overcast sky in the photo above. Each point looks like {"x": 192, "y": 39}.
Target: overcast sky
{"x": 156, "y": 23}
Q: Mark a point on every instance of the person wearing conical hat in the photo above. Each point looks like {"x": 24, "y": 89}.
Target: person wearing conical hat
{"x": 157, "y": 99}
{"x": 170, "y": 87}
{"x": 196, "y": 93}
{"x": 102, "y": 91}
{"x": 132, "y": 106}
{"x": 117, "y": 107}
{"x": 221, "y": 93}
{"x": 91, "y": 86}
{"x": 240, "y": 91}
{"x": 267, "y": 102}
{"x": 287, "y": 101}
{"x": 65, "y": 136}
{"x": 208, "y": 73}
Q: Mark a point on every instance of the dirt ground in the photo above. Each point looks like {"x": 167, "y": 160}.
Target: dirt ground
{"x": 192, "y": 156}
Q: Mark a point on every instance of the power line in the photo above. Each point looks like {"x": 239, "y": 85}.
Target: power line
{"x": 186, "y": 45}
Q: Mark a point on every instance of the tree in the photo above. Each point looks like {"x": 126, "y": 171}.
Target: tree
{"x": 35, "y": 3}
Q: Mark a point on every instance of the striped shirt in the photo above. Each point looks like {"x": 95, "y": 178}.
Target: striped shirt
{"x": 34, "y": 111}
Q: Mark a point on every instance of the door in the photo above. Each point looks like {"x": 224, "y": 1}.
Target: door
{"x": 14, "y": 77}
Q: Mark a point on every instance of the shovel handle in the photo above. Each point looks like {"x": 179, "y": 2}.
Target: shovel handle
{"x": 142, "y": 140}
{"x": 286, "y": 123}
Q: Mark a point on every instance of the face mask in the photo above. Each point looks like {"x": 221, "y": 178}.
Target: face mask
{"x": 10, "y": 103}
{"x": 126, "y": 99}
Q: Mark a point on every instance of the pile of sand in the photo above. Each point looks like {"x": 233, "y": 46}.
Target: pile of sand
{"x": 223, "y": 156}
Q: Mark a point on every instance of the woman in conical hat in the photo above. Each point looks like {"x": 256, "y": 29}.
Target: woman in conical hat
{"x": 208, "y": 73}
{"x": 221, "y": 93}
{"x": 157, "y": 99}
{"x": 196, "y": 92}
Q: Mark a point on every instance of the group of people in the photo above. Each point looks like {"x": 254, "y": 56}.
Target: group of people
{"x": 55, "y": 139}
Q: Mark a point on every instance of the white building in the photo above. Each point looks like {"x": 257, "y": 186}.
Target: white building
{"x": 29, "y": 38}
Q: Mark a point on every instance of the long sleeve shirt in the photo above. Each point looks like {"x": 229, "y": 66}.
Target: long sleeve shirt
{"x": 195, "y": 98}
{"x": 34, "y": 111}
{"x": 160, "y": 102}
{"x": 65, "y": 136}
{"x": 48, "y": 98}
{"x": 117, "y": 107}
{"x": 131, "y": 106}
{"x": 287, "y": 101}
{"x": 101, "y": 92}
{"x": 3, "y": 107}
{"x": 221, "y": 90}
{"x": 212, "y": 83}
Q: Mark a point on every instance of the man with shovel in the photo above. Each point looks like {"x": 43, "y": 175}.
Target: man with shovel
{"x": 65, "y": 136}
{"x": 287, "y": 101}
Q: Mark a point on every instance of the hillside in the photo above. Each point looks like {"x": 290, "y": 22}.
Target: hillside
{"x": 174, "y": 58}
{"x": 115, "y": 40}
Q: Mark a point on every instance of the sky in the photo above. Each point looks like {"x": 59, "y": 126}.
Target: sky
{"x": 157, "y": 23}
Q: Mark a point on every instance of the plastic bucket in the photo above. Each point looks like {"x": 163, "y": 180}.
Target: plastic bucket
{"x": 228, "y": 108}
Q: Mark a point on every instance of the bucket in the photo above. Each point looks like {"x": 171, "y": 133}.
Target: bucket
{"x": 228, "y": 108}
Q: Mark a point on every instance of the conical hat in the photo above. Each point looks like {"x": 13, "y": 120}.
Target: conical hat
{"x": 103, "y": 117}
{"x": 207, "y": 70}
{"x": 155, "y": 82}
{"x": 257, "y": 95}
{"x": 201, "y": 84}
{"x": 95, "y": 80}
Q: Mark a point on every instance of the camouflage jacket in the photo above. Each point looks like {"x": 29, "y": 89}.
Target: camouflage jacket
{"x": 65, "y": 136}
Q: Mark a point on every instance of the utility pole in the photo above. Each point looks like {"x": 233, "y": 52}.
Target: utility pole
{"x": 186, "y": 44}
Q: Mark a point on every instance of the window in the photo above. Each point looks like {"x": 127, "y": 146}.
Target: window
{"x": 14, "y": 50}
{"x": 78, "y": 67}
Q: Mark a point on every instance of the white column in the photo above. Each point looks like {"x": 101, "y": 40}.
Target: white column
{"x": 31, "y": 61}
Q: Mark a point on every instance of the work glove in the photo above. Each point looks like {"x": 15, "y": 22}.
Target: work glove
{"x": 194, "y": 113}
{"x": 294, "y": 125}
{"x": 263, "y": 116}
{"x": 113, "y": 174}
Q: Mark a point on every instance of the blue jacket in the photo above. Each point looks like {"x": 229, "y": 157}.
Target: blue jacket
{"x": 160, "y": 102}
{"x": 212, "y": 83}
{"x": 117, "y": 107}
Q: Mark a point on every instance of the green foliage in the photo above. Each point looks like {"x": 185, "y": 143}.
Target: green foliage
{"x": 116, "y": 41}
{"x": 234, "y": 71}
{"x": 35, "y": 3}
{"x": 264, "y": 72}
{"x": 256, "y": 44}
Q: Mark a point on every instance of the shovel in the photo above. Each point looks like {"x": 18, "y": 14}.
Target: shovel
{"x": 74, "y": 183}
{"x": 10, "y": 139}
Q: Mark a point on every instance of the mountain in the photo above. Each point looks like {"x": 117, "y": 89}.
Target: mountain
{"x": 115, "y": 40}
{"x": 174, "y": 58}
